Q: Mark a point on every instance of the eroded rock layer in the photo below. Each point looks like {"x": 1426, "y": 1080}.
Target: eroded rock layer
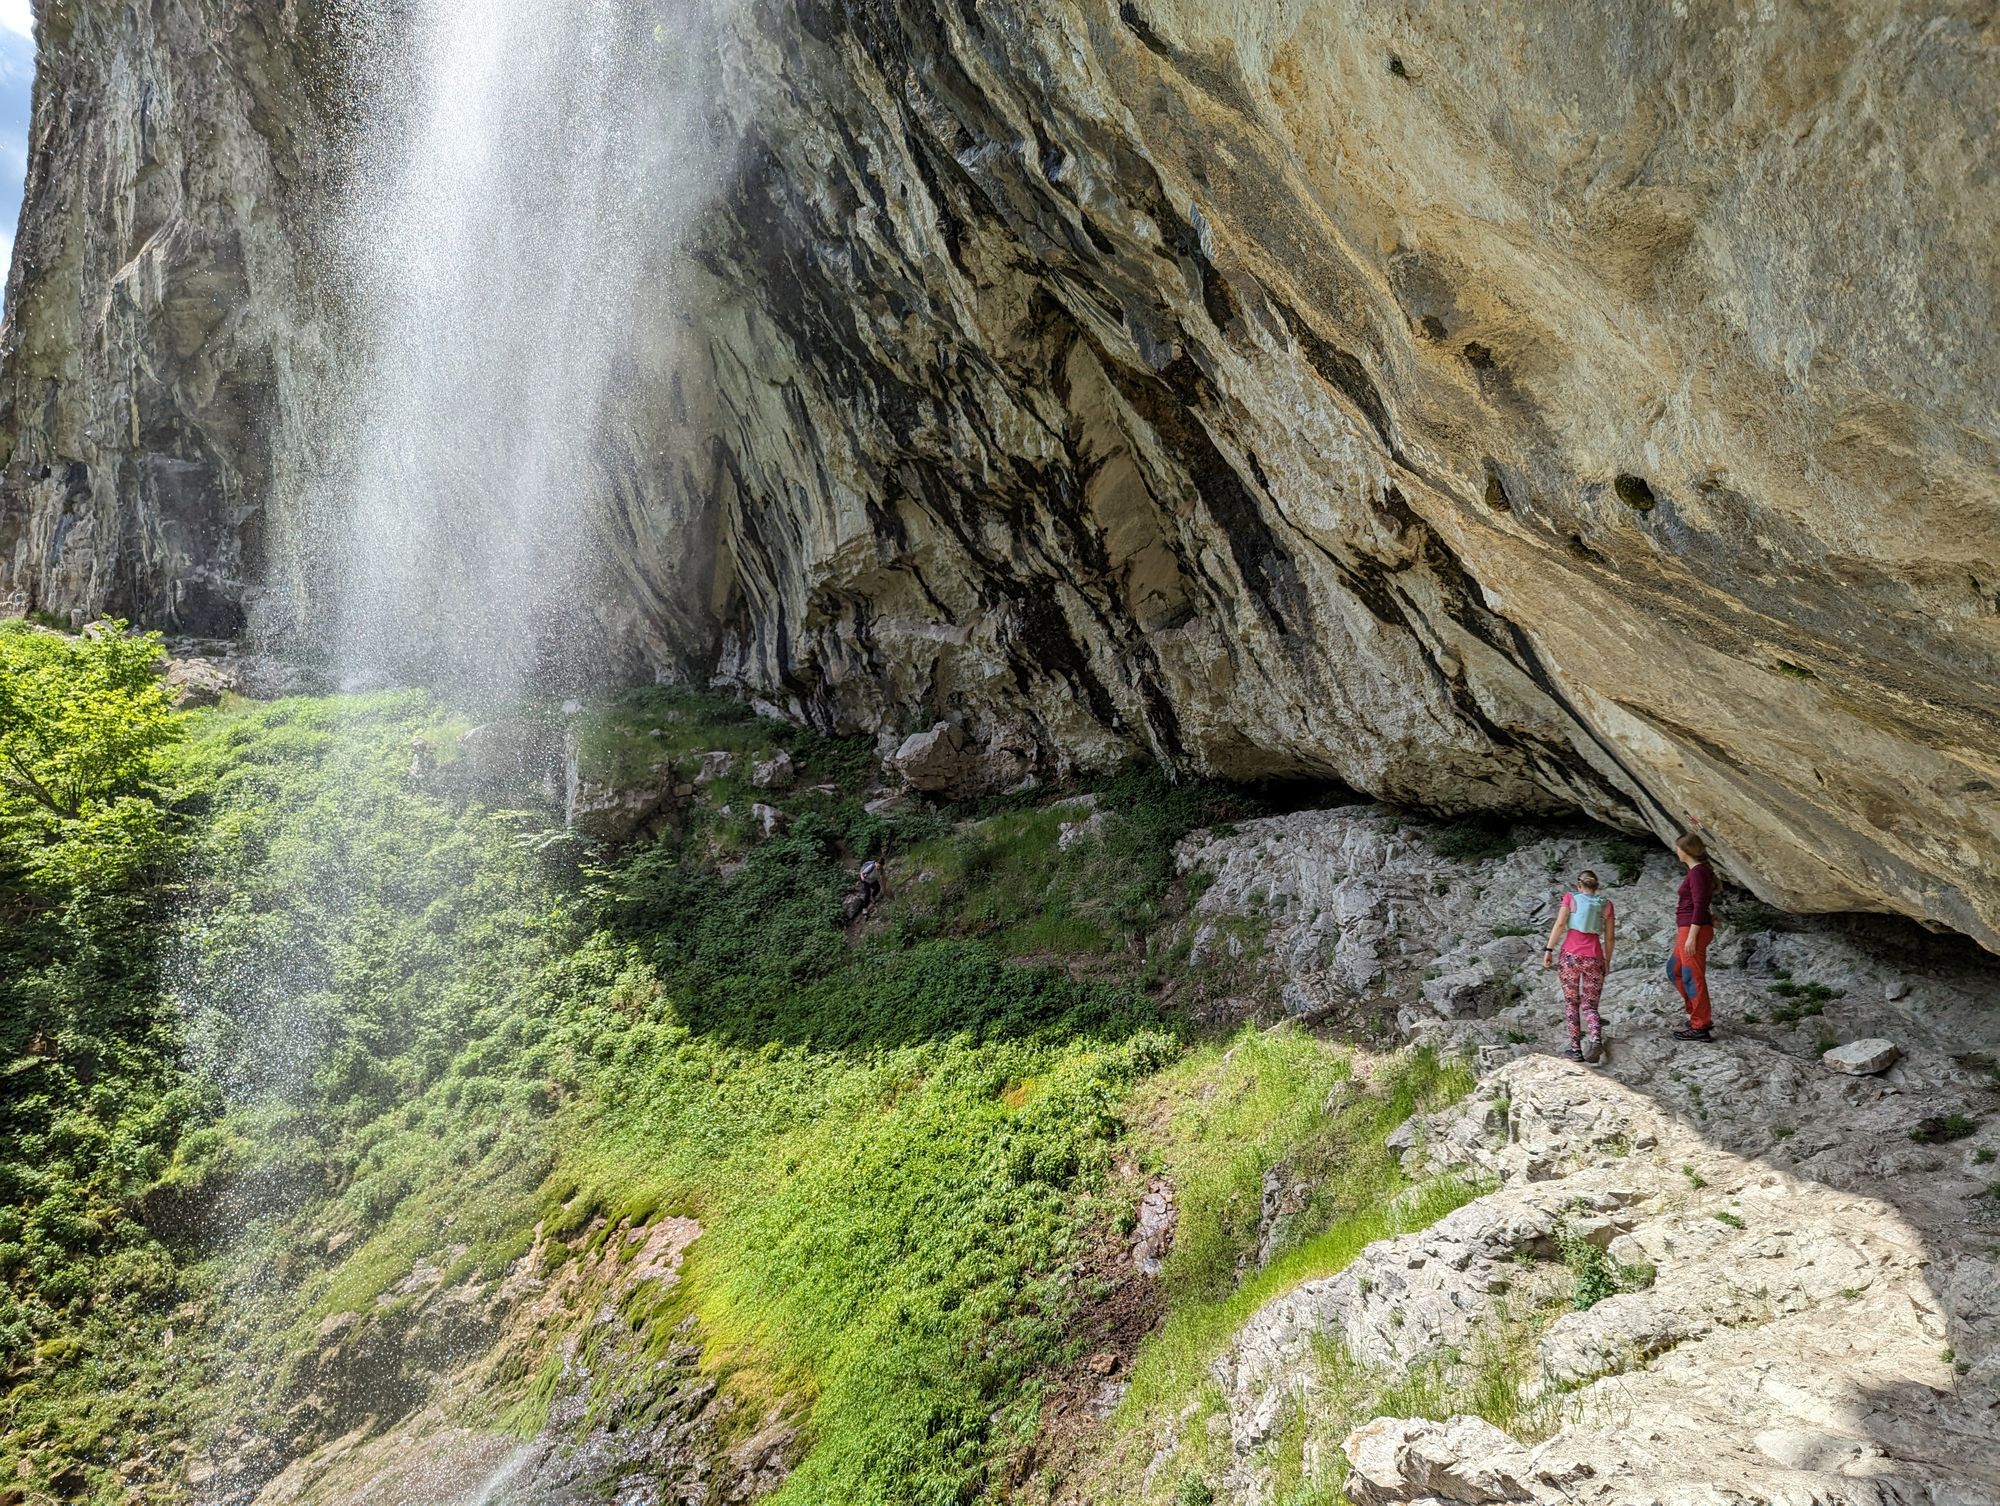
{"x": 1583, "y": 406}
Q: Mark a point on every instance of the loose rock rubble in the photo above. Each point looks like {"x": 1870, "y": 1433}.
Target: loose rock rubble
{"x": 1813, "y": 1309}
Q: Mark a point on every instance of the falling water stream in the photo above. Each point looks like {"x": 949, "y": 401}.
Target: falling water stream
{"x": 503, "y": 258}
{"x": 505, "y": 255}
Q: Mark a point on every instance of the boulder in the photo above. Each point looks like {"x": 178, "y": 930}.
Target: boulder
{"x": 773, "y": 773}
{"x": 946, "y": 761}
{"x": 1862, "y": 1058}
{"x": 770, "y": 820}
{"x": 1076, "y": 833}
{"x": 1465, "y": 1459}
{"x": 198, "y": 682}
{"x": 1153, "y": 1233}
{"x": 716, "y": 764}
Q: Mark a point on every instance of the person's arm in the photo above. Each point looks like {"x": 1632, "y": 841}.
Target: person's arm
{"x": 1610, "y": 932}
{"x": 1555, "y": 931}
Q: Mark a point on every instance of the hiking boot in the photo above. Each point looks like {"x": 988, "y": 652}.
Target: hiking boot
{"x": 1573, "y": 1051}
{"x": 1689, "y": 1033}
{"x": 1593, "y": 1049}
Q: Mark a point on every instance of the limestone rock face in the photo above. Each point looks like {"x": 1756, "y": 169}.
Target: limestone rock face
{"x": 158, "y": 323}
{"x": 1485, "y": 408}
{"x": 1804, "y": 1302}
{"x": 1542, "y": 407}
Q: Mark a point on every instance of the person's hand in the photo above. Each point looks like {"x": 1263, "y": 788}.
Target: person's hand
{"x": 1548, "y": 959}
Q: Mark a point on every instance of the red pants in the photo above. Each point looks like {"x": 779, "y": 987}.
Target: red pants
{"x": 1688, "y": 967}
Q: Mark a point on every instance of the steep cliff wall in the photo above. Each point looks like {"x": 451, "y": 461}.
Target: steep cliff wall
{"x": 1563, "y": 405}
{"x": 1583, "y": 406}
{"x": 157, "y": 308}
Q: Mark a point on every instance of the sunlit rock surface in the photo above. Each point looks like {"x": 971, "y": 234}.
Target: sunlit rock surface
{"x": 1585, "y": 406}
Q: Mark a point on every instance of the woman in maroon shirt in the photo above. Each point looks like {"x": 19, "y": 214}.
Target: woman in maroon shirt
{"x": 1694, "y": 928}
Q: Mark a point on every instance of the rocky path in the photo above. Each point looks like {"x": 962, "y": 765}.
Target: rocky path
{"x": 1800, "y": 1269}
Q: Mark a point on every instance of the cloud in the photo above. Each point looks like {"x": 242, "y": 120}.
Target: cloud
{"x": 16, "y": 17}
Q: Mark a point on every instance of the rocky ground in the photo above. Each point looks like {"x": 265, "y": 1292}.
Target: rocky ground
{"x": 1799, "y": 1291}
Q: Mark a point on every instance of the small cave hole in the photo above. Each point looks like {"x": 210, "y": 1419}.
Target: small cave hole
{"x": 1496, "y": 490}
{"x": 1796, "y": 671}
{"x": 1401, "y": 69}
{"x": 1432, "y": 326}
{"x": 1634, "y": 492}
{"x": 1478, "y": 356}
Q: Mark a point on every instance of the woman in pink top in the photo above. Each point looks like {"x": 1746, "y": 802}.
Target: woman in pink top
{"x": 1586, "y": 930}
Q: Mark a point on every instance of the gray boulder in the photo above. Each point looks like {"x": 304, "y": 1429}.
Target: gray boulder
{"x": 1862, "y": 1058}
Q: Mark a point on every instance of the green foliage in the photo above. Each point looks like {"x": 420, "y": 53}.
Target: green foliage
{"x": 93, "y": 1106}
{"x": 1724, "y": 1216}
{"x": 1802, "y": 1001}
{"x": 406, "y": 1027}
{"x": 1937, "y": 1129}
{"x": 1006, "y": 878}
{"x": 1626, "y": 858}
{"x": 1474, "y": 839}
{"x": 1193, "y": 1490}
{"x": 1594, "y": 1275}
{"x": 434, "y": 1030}
{"x": 1228, "y": 1112}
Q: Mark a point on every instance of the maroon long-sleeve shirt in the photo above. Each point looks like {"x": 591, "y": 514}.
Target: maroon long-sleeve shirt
{"x": 1697, "y": 890}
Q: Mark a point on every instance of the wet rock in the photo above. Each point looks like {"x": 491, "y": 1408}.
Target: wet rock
{"x": 1249, "y": 419}
{"x": 1862, "y": 1058}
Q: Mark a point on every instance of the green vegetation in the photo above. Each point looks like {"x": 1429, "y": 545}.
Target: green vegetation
{"x": 94, "y": 1100}
{"x": 290, "y": 1021}
{"x": 1594, "y": 1275}
{"x": 1473, "y": 839}
{"x": 1626, "y": 858}
{"x": 1938, "y": 1129}
{"x": 1802, "y": 999}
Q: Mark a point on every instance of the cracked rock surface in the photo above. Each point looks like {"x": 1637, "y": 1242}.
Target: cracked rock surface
{"x": 1816, "y": 1318}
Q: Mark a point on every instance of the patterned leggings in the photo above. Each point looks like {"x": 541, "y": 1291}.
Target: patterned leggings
{"x": 1582, "y": 980}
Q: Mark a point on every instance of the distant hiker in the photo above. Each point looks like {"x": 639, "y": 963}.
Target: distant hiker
{"x": 1694, "y": 928}
{"x": 1579, "y": 949}
{"x": 873, "y": 885}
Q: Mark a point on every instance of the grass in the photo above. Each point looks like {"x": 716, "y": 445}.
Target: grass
{"x": 1224, "y": 1115}
{"x": 1594, "y": 1275}
{"x": 1495, "y": 1376}
{"x": 1627, "y": 859}
{"x": 415, "y": 1026}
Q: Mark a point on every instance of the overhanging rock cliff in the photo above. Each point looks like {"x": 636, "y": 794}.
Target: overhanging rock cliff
{"x": 1587, "y": 407}
{"x": 1580, "y": 407}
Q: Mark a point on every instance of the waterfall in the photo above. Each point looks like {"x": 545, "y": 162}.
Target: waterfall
{"x": 504, "y": 257}
{"x": 505, "y": 254}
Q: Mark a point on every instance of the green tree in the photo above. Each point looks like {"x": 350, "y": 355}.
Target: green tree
{"x": 83, "y": 724}
{"x": 93, "y": 1098}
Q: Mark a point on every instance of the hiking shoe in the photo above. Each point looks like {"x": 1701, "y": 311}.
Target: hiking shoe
{"x": 1593, "y": 1048}
{"x": 1573, "y": 1051}
{"x": 1689, "y": 1033}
